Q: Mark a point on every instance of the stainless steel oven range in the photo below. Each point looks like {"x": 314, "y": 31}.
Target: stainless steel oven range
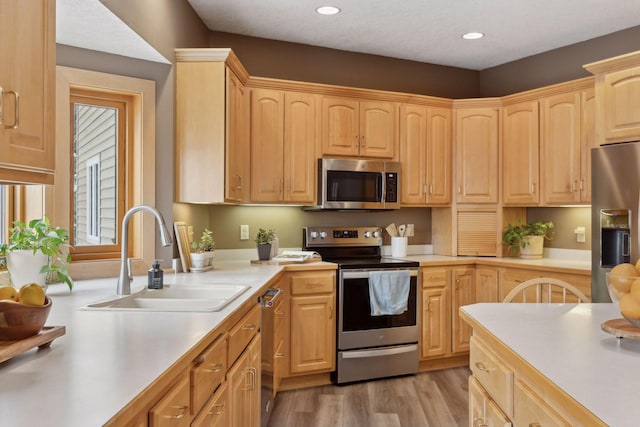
{"x": 371, "y": 343}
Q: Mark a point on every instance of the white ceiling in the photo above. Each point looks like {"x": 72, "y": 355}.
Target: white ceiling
{"x": 89, "y": 24}
{"x": 426, "y": 30}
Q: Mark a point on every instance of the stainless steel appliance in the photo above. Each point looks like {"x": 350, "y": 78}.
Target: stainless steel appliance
{"x": 358, "y": 184}
{"x": 271, "y": 336}
{"x": 368, "y": 346}
{"x": 615, "y": 178}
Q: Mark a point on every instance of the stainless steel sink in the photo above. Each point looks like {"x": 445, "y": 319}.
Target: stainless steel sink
{"x": 192, "y": 298}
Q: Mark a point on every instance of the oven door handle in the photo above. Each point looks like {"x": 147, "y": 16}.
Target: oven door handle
{"x": 359, "y": 354}
{"x": 364, "y": 274}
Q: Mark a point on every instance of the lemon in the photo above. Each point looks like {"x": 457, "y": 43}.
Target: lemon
{"x": 8, "y": 293}
{"x": 31, "y": 294}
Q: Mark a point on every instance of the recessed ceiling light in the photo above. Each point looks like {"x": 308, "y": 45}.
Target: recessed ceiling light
{"x": 327, "y": 10}
{"x": 472, "y": 36}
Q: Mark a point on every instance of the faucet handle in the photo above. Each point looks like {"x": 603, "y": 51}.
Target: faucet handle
{"x": 129, "y": 269}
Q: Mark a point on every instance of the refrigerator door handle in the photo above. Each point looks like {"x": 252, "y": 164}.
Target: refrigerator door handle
{"x": 626, "y": 244}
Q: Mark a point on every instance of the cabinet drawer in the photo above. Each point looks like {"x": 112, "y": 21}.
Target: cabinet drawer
{"x": 312, "y": 283}
{"x": 208, "y": 372}
{"x": 173, "y": 409}
{"x": 216, "y": 412}
{"x": 495, "y": 376}
{"x": 530, "y": 409}
{"x": 242, "y": 333}
{"x": 434, "y": 277}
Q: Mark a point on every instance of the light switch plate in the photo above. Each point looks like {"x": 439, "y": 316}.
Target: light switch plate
{"x": 244, "y": 232}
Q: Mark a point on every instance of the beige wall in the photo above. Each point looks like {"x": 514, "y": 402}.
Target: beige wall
{"x": 565, "y": 221}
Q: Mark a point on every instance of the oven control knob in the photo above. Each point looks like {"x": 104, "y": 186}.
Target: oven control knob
{"x": 314, "y": 234}
{"x": 323, "y": 234}
{"x": 367, "y": 234}
{"x": 376, "y": 234}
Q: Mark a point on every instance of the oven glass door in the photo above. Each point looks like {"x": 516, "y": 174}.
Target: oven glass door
{"x": 356, "y": 307}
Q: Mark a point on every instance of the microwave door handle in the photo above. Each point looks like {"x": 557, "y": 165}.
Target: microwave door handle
{"x": 384, "y": 187}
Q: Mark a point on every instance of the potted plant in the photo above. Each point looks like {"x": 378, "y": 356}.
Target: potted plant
{"x": 202, "y": 250}
{"x": 528, "y": 239}
{"x": 34, "y": 253}
{"x": 263, "y": 240}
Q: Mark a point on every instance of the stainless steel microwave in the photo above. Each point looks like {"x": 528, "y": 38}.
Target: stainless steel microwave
{"x": 358, "y": 184}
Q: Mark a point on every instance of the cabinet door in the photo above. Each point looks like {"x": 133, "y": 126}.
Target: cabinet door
{"x": 438, "y": 182}
{"x": 378, "y": 134}
{"x": 237, "y": 140}
{"x": 531, "y": 409}
{"x": 267, "y": 145}
{"x": 300, "y": 136}
{"x": 462, "y": 294}
{"x": 244, "y": 387}
{"x": 520, "y": 143}
{"x": 27, "y": 79}
{"x": 588, "y": 138}
{"x": 486, "y": 284}
{"x": 561, "y": 148}
{"x": 436, "y": 313}
{"x": 340, "y": 127}
{"x": 477, "y": 155}
{"x": 312, "y": 333}
{"x": 621, "y": 108}
{"x": 413, "y": 155}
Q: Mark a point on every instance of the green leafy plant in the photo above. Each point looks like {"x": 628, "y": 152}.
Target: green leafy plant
{"x": 40, "y": 236}
{"x": 265, "y": 237}
{"x": 205, "y": 244}
{"x": 514, "y": 234}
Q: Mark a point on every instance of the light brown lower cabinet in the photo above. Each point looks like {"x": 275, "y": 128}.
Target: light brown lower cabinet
{"x": 482, "y": 410}
{"x": 174, "y": 409}
{"x": 244, "y": 387}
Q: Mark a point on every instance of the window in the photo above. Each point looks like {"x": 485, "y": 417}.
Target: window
{"x": 109, "y": 121}
{"x": 99, "y": 140}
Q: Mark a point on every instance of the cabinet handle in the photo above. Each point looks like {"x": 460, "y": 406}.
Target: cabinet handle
{"x": 1, "y": 99}
{"x": 534, "y": 424}
{"x": 215, "y": 368}
{"x": 181, "y": 408}
{"x": 252, "y": 379}
{"x": 581, "y": 184}
{"x": 279, "y": 312}
{"x": 217, "y": 409}
{"x": 331, "y": 312}
{"x": 278, "y": 356}
{"x": 479, "y": 422}
{"x": 533, "y": 188}
{"x": 249, "y": 327}
{"x": 459, "y": 189}
{"x": 16, "y": 119}
{"x": 430, "y": 188}
{"x": 482, "y": 367}
{"x": 357, "y": 141}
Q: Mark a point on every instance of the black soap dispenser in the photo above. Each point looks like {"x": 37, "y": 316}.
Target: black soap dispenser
{"x": 155, "y": 276}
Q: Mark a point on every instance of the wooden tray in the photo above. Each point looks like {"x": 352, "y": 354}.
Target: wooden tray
{"x": 283, "y": 262}
{"x": 43, "y": 339}
{"x": 621, "y": 328}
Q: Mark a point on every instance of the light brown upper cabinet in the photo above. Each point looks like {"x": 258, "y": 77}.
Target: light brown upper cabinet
{"x": 476, "y": 147}
{"x": 212, "y": 134}
{"x": 353, "y": 128}
{"x": 617, "y": 93}
{"x": 520, "y": 154}
{"x": 425, "y": 154}
{"x": 283, "y": 143}
{"x": 27, "y": 92}
{"x": 566, "y": 139}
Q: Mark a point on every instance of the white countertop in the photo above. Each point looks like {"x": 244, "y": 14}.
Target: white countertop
{"x": 106, "y": 358}
{"x": 566, "y": 344}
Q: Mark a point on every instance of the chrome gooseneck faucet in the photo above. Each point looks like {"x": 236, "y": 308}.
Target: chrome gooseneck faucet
{"x": 124, "y": 279}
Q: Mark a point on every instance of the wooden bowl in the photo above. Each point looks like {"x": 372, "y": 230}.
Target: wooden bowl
{"x": 19, "y": 321}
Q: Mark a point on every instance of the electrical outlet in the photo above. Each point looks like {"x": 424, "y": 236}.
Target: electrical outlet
{"x": 244, "y": 232}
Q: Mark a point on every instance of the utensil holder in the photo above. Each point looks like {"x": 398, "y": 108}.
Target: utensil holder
{"x": 399, "y": 247}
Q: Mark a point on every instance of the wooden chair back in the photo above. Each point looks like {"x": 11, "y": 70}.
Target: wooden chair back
{"x": 545, "y": 290}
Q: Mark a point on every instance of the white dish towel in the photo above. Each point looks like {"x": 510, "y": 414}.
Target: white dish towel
{"x": 389, "y": 292}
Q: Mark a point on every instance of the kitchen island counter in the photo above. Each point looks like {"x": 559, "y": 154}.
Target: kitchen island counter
{"x": 568, "y": 351}
{"x": 107, "y": 358}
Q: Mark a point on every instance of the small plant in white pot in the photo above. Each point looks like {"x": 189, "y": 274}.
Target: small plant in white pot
{"x": 263, "y": 241}
{"x": 202, "y": 250}
{"x": 528, "y": 239}
{"x": 34, "y": 253}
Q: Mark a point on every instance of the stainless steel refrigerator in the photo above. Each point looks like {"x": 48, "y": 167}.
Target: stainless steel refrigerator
{"x": 615, "y": 179}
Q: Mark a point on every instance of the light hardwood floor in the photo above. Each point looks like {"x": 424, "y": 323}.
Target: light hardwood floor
{"x": 430, "y": 399}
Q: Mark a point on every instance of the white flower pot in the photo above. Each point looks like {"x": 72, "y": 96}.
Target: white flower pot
{"x": 201, "y": 259}
{"x": 24, "y": 267}
{"x": 533, "y": 248}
